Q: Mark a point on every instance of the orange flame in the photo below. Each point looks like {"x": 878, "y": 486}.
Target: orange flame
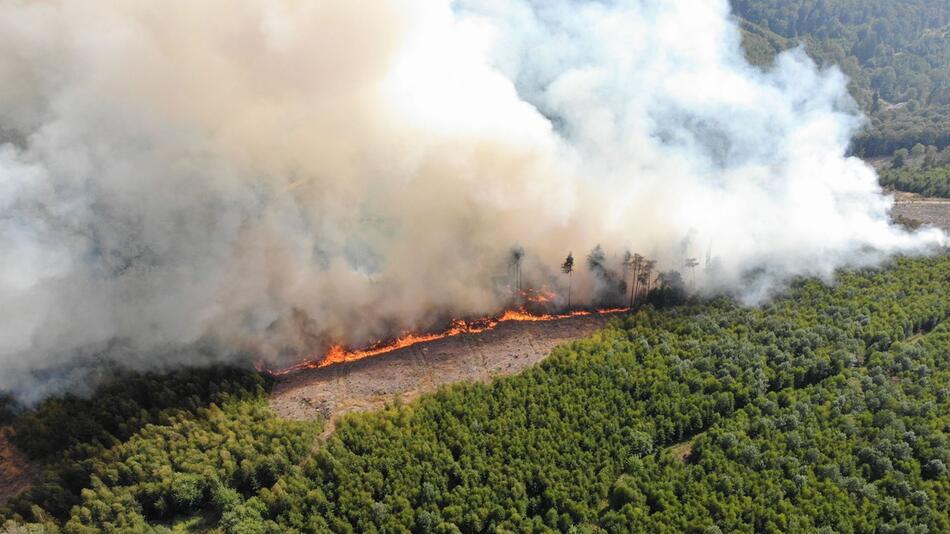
{"x": 538, "y": 296}
{"x": 338, "y": 354}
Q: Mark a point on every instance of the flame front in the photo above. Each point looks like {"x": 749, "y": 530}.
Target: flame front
{"x": 538, "y": 296}
{"x": 338, "y": 354}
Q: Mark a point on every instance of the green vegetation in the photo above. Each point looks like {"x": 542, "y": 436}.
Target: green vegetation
{"x": 896, "y": 53}
{"x": 827, "y": 410}
{"x": 7, "y": 409}
{"x": 933, "y": 182}
{"x": 126, "y": 403}
{"x": 153, "y": 446}
{"x": 221, "y": 463}
{"x": 922, "y": 170}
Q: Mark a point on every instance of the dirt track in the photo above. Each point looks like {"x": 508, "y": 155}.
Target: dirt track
{"x": 372, "y": 382}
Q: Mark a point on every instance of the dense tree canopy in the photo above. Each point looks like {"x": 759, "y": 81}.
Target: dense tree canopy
{"x": 923, "y": 170}
{"x": 933, "y": 182}
{"x": 826, "y": 410}
{"x": 896, "y": 53}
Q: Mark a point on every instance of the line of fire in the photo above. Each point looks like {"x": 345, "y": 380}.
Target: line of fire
{"x": 636, "y": 283}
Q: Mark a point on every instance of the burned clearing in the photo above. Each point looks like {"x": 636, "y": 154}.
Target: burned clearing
{"x": 370, "y": 383}
{"x": 15, "y": 472}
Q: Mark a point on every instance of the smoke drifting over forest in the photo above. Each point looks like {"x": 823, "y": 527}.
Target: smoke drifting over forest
{"x": 183, "y": 181}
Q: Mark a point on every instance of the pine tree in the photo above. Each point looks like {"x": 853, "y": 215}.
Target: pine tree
{"x": 568, "y": 268}
{"x": 517, "y": 255}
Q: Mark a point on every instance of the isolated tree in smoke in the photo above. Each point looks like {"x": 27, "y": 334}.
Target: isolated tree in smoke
{"x": 627, "y": 264}
{"x": 610, "y": 287}
{"x": 568, "y": 268}
{"x": 597, "y": 264}
{"x": 517, "y": 255}
{"x": 636, "y": 264}
{"x": 671, "y": 288}
{"x": 644, "y": 279}
{"x": 691, "y": 264}
{"x": 597, "y": 260}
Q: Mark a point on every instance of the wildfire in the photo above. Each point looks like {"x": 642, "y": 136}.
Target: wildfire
{"x": 338, "y": 354}
{"x": 538, "y": 296}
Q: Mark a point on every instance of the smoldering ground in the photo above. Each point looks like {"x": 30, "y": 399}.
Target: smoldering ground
{"x": 269, "y": 177}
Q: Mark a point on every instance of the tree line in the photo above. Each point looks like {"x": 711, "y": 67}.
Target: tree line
{"x": 637, "y": 281}
{"x": 923, "y": 170}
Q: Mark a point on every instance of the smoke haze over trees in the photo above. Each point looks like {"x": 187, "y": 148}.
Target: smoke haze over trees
{"x": 895, "y": 52}
{"x": 188, "y": 184}
{"x": 200, "y": 181}
{"x": 825, "y": 410}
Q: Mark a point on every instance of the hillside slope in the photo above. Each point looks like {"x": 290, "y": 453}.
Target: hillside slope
{"x": 896, "y": 53}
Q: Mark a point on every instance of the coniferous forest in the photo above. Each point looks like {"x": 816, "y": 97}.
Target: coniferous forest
{"x": 896, "y": 54}
{"x": 826, "y": 410}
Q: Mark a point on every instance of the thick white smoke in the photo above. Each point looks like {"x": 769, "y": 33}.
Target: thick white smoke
{"x": 272, "y": 176}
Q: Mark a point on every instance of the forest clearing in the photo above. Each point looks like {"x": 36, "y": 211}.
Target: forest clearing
{"x": 926, "y": 210}
{"x": 329, "y": 392}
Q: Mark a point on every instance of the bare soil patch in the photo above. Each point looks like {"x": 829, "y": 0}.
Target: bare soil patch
{"x": 926, "y": 210}
{"x": 371, "y": 383}
{"x": 682, "y": 451}
{"x": 16, "y": 475}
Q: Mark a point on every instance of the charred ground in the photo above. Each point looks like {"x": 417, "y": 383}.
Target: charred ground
{"x": 370, "y": 383}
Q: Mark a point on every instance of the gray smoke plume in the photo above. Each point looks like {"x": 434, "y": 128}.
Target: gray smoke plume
{"x": 268, "y": 177}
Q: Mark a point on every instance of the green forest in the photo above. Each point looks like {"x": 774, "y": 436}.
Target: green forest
{"x": 895, "y": 52}
{"x": 931, "y": 181}
{"x": 826, "y": 410}
{"x": 922, "y": 170}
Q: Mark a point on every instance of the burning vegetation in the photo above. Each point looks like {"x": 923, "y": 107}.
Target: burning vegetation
{"x": 620, "y": 285}
{"x": 172, "y": 182}
{"x": 338, "y": 354}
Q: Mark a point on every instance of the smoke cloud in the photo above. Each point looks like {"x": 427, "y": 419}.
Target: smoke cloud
{"x": 188, "y": 181}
